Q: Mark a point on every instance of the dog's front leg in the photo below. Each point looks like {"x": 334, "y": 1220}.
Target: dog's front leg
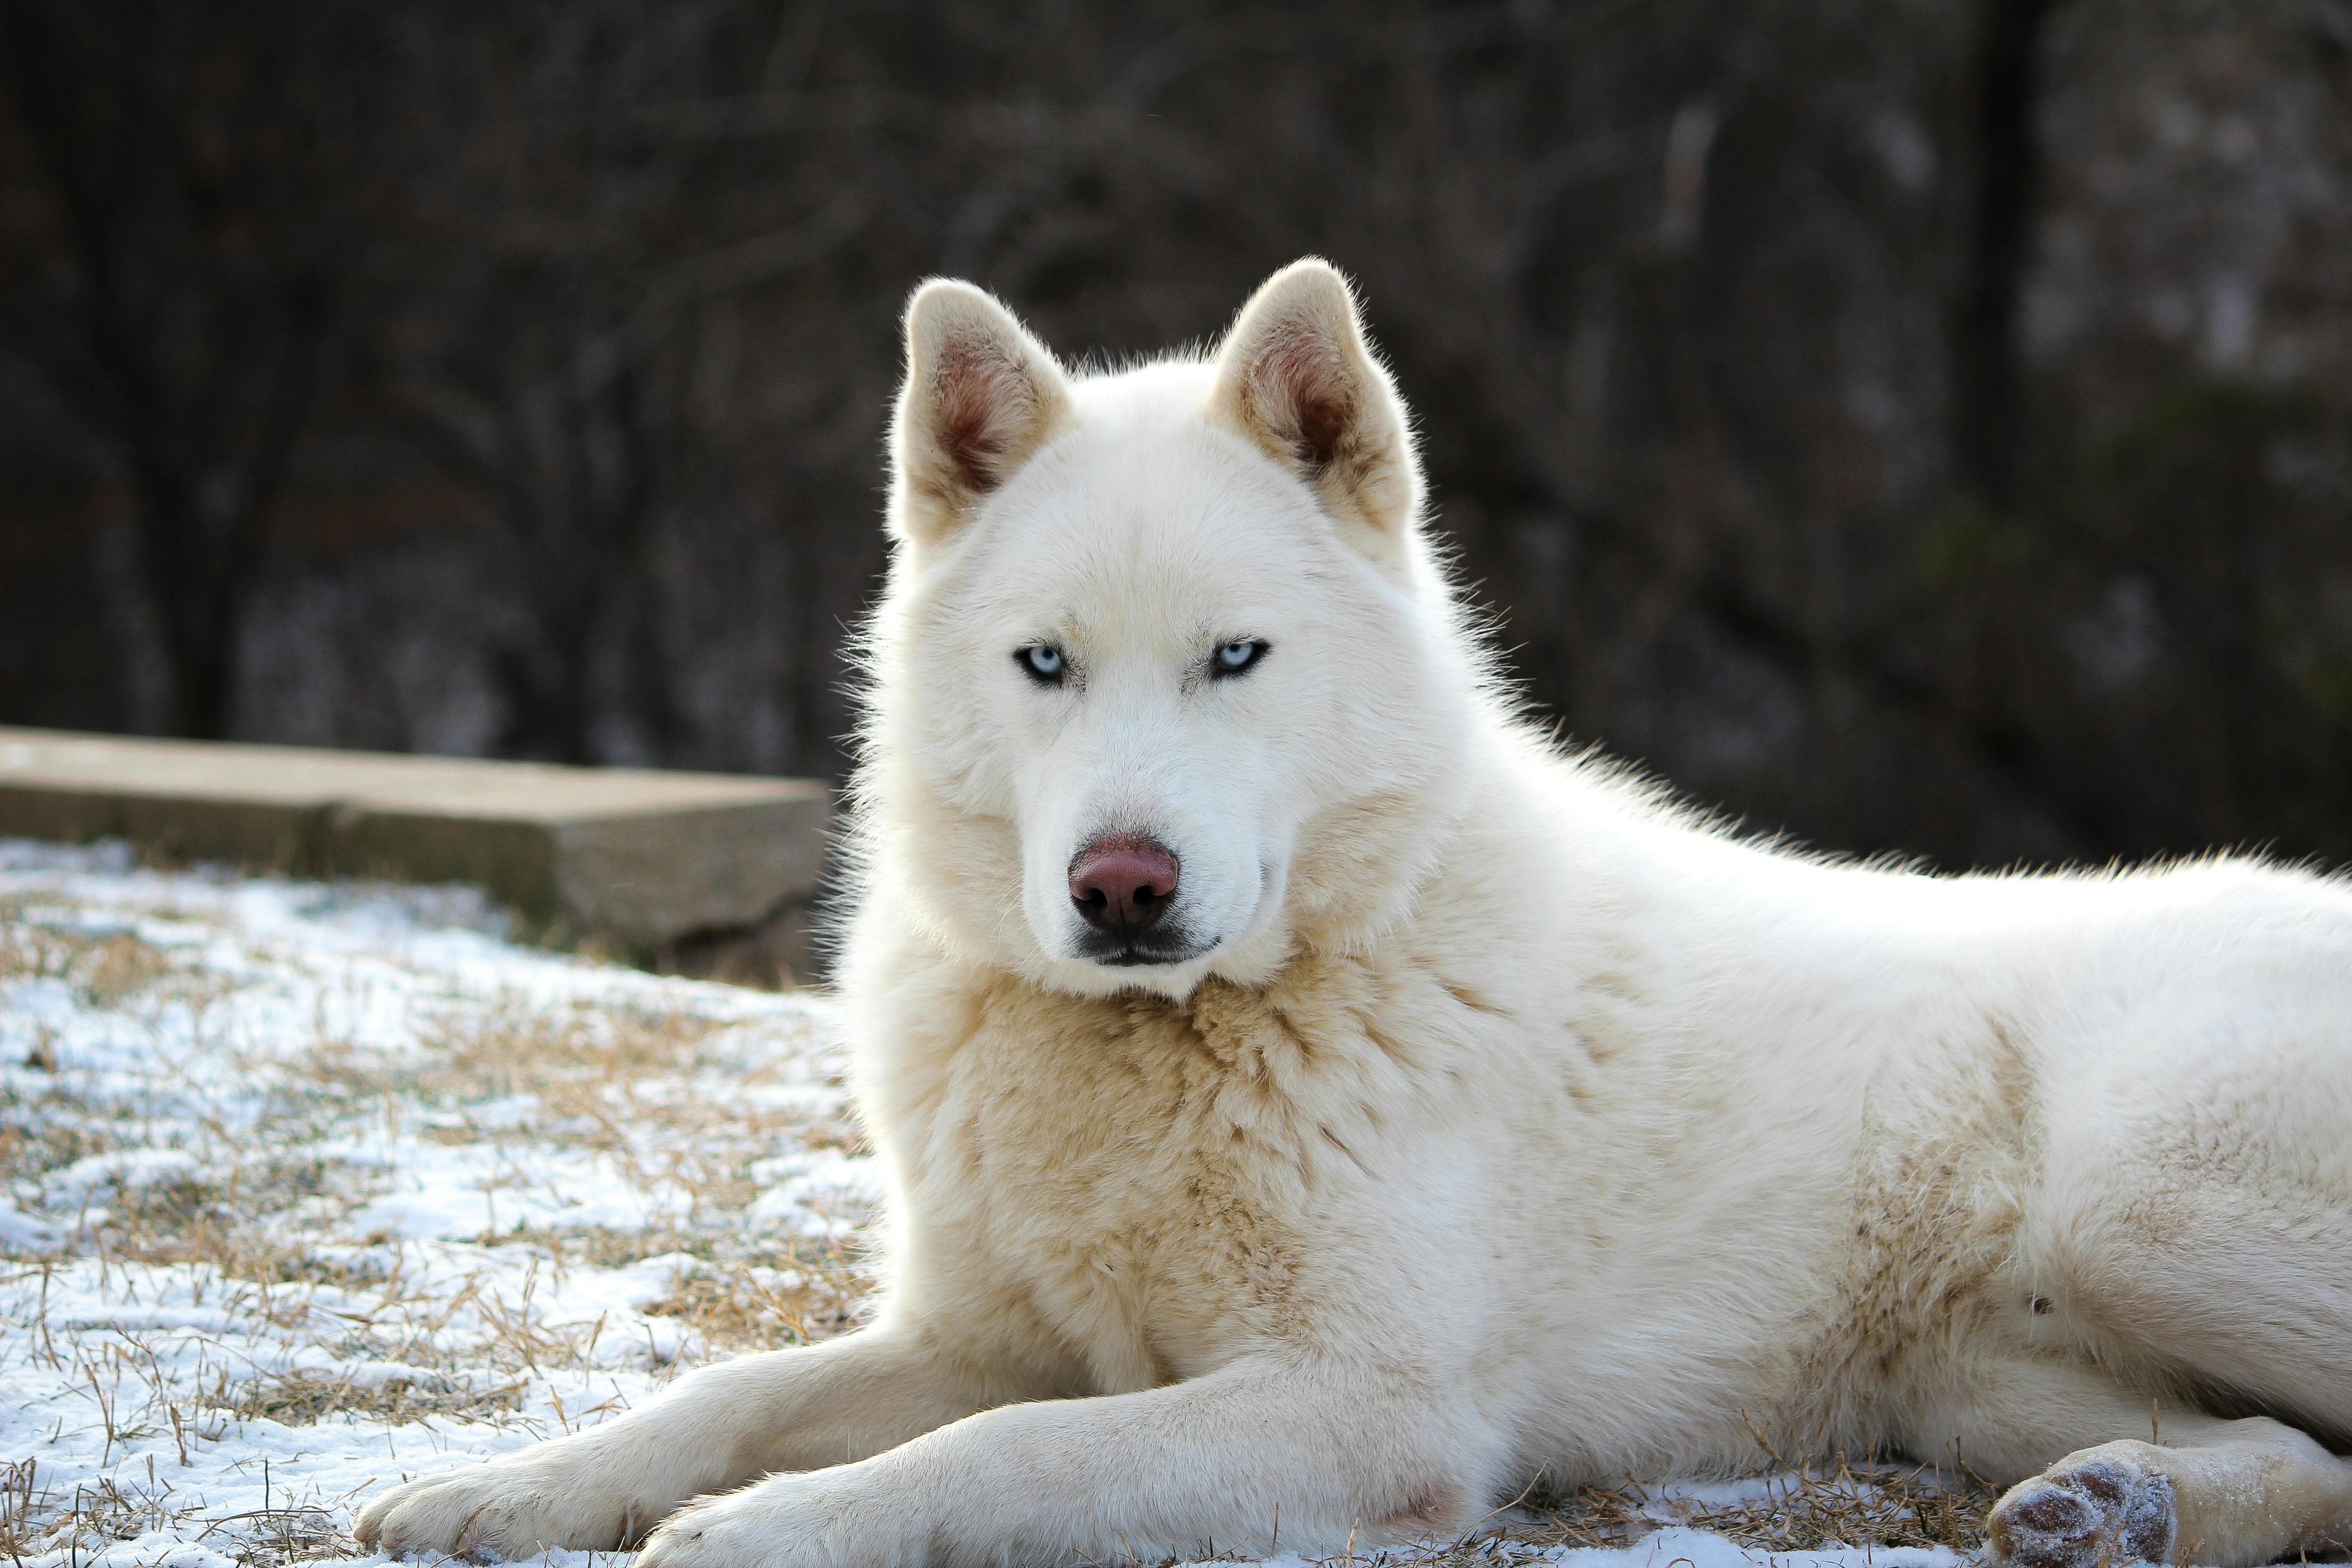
{"x": 607, "y": 1486}
{"x": 1310, "y": 1455}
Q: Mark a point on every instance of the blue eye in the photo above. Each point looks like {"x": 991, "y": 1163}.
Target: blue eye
{"x": 1234, "y": 657}
{"x": 1043, "y": 663}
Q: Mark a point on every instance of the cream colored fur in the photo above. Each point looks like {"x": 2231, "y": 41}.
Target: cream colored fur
{"x": 1504, "y": 1125}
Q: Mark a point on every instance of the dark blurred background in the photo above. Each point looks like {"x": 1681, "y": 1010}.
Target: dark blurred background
{"x": 1918, "y": 425}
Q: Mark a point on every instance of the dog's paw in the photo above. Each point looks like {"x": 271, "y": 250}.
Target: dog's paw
{"x": 757, "y": 1525}
{"x": 818, "y": 1519}
{"x": 507, "y": 1509}
{"x": 2089, "y": 1511}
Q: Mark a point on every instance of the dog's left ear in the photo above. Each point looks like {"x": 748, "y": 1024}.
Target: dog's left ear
{"x": 1297, "y": 377}
{"x": 982, "y": 395}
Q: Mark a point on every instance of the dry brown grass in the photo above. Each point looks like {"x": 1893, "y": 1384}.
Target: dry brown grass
{"x": 104, "y": 970}
{"x": 191, "y": 1219}
{"x": 674, "y": 1098}
{"x": 793, "y": 1293}
{"x": 35, "y": 1520}
{"x": 1834, "y": 1505}
{"x": 307, "y": 1398}
{"x": 513, "y": 1048}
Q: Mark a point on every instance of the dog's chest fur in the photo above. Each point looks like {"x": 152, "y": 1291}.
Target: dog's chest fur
{"x": 1150, "y": 1184}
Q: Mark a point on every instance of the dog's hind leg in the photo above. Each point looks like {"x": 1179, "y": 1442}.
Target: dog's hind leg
{"x": 2200, "y": 1489}
{"x": 607, "y": 1486}
{"x": 2228, "y": 1493}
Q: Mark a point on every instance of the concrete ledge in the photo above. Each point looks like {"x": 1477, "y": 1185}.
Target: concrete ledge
{"x": 642, "y": 856}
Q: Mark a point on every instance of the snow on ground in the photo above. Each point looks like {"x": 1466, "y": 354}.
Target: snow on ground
{"x": 305, "y": 1188}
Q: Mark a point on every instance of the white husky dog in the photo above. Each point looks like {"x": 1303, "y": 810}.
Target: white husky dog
{"x": 1315, "y": 1107}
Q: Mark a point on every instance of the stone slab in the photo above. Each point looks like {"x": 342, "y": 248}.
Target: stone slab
{"x": 641, "y": 855}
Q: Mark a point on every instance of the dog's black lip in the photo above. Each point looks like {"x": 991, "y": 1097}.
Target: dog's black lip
{"x": 1135, "y": 955}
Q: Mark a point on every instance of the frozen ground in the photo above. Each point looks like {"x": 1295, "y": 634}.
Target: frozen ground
{"x": 306, "y": 1188}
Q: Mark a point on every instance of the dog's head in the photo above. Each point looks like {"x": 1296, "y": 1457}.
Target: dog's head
{"x": 1166, "y": 681}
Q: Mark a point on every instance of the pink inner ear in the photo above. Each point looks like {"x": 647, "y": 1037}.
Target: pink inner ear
{"x": 1302, "y": 391}
{"x": 983, "y": 401}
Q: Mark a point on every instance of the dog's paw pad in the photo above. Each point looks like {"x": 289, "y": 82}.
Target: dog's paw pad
{"x": 2091, "y": 1514}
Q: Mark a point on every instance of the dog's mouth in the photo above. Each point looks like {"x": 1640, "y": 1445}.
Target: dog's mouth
{"x": 1122, "y": 950}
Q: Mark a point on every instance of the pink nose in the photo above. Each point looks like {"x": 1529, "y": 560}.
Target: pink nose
{"x": 1122, "y": 883}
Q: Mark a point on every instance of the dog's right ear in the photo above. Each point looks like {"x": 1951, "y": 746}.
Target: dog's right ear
{"x": 982, "y": 395}
{"x": 1297, "y": 377}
